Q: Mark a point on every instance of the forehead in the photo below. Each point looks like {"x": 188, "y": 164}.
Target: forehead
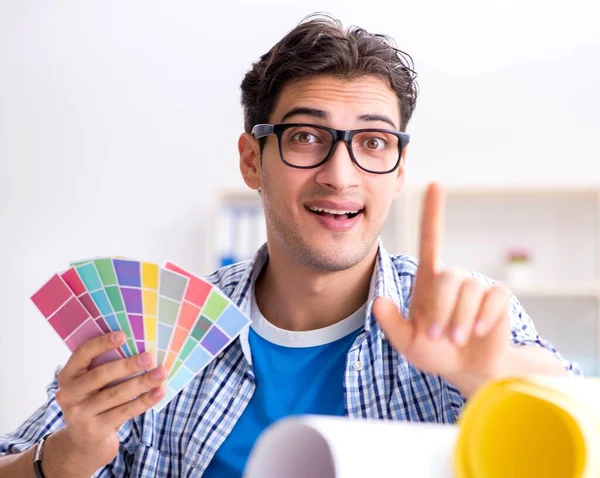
{"x": 339, "y": 97}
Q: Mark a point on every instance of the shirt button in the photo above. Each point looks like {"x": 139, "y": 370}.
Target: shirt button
{"x": 221, "y": 355}
{"x": 357, "y": 366}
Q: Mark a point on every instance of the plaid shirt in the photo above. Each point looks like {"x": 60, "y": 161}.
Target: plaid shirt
{"x": 379, "y": 383}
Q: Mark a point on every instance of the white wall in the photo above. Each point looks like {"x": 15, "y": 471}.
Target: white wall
{"x": 119, "y": 122}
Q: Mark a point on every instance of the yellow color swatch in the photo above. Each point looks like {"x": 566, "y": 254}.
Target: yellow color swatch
{"x": 149, "y": 275}
{"x": 150, "y": 328}
{"x": 150, "y": 300}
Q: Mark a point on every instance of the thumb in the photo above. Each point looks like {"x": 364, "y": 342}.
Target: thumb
{"x": 398, "y": 331}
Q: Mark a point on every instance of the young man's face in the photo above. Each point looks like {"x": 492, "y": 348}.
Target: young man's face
{"x": 294, "y": 199}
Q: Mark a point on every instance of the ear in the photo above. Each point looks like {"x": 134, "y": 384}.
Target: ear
{"x": 400, "y": 174}
{"x": 249, "y": 160}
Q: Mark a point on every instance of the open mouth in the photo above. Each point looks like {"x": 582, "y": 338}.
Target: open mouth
{"x": 339, "y": 215}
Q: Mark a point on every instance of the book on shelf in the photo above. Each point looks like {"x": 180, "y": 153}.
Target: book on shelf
{"x": 240, "y": 232}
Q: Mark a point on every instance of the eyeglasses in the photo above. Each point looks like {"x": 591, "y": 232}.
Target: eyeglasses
{"x": 306, "y": 146}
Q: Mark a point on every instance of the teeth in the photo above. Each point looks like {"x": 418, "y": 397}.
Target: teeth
{"x": 331, "y": 211}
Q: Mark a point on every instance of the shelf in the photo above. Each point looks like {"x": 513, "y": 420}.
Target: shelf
{"x": 564, "y": 290}
{"x": 516, "y": 190}
{"x": 238, "y": 197}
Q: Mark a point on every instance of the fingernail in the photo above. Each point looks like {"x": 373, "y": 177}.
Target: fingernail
{"x": 157, "y": 373}
{"x": 157, "y": 392}
{"x": 435, "y": 331}
{"x": 145, "y": 359}
{"x": 458, "y": 335}
{"x": 117, "y": 336}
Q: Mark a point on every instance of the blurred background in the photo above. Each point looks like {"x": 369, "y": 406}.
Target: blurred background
{"x": 119, "y": 122}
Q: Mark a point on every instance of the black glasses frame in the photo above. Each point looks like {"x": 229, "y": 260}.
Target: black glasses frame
{"x": 263, "y": 130}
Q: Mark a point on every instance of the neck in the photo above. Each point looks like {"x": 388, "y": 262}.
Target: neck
{"x": 294, "y": 297}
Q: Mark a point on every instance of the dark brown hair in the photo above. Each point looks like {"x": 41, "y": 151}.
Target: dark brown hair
{"x": 319, "y": 45}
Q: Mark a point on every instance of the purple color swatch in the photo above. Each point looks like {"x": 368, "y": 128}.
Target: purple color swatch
{"x": 128, "y": 273}
{"x": 214, "y": 341}
{"x": 137, "y": 326}
{"x": 133, "y": 300}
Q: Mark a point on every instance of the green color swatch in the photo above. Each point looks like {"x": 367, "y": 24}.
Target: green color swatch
{"x": 214, "y": 306}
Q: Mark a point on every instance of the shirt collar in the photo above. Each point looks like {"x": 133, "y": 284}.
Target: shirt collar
{"x": 384, "y": 282}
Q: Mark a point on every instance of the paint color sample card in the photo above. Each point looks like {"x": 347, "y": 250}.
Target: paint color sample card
{"x": 74, "y": 282}
{"x": 149, "y": 279}
{"x": 150, "y": 274}
{"x": 129, "y": 279}
{"x": 219, "y": 322}
{"x": 138, "y": 282}
{"x": 195, "y": 296}
{"x": 68, "y": 317}
{"x": 90, "y": 277}
{"x": 171, "y": 291}
{"x": 108, "y": 277}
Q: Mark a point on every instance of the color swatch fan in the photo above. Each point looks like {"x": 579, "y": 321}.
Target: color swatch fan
{"x": 183, "y": 321}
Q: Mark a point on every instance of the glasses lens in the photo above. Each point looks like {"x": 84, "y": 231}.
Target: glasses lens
{"x": 305, "y": 146}
{"x": 376, "y": 151}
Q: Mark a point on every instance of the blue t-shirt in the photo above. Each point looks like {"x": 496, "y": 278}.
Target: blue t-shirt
{"x": 296, "y": 373}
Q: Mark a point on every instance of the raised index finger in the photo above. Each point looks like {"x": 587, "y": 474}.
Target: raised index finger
{"x": 432, "y": 231}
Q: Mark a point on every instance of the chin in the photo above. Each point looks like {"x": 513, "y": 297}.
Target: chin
{"x": 332, "y": 257}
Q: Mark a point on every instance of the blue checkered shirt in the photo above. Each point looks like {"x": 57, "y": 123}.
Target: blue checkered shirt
{"x": 182, "y": 439}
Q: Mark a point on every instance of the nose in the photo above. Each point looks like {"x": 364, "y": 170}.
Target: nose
{"x": 339, "y": 172}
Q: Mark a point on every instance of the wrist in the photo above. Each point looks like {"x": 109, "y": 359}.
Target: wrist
{"x": 60, "y": 460}
{"x": 469, "y": 382}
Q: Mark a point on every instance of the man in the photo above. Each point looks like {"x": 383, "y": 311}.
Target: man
{"x": 339, "y": 326}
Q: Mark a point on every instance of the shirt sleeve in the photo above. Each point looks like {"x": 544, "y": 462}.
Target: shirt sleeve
{"x": 49, "y": 419}
{"x": 46, "y": 420}
{"x": 523, "y": 332}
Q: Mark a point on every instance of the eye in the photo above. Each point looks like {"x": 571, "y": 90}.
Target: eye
{"x": 375, "y": 144}
{"x": 304, "y": 137}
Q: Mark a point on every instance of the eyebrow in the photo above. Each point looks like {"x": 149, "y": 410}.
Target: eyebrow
{"x": 383, "y": 118}
{"x": 320, "y": 114}
{"x": 302, "y": 110}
